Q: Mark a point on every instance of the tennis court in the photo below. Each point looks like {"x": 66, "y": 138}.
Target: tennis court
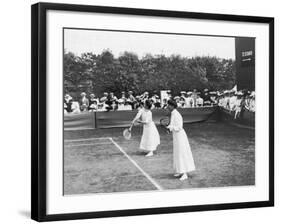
{"x": 102, "y": 161}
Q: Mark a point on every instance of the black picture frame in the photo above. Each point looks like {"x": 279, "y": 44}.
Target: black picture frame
{"x": 39, "y": 108}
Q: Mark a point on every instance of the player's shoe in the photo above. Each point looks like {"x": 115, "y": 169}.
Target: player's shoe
{"x": 184, "y": 177}
{"x": 149, "y": 154}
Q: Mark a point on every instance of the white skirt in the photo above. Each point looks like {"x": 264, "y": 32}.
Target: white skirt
{"x": 150, "y": 137}
{"x": 182, "y": 156}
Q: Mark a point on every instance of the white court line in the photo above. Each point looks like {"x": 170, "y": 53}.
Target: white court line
{"x": 136, "y": 165}
{"x": 84, "y": 139}
{"x": 89, "y": 144}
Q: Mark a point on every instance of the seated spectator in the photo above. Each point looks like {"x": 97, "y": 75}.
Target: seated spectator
{"x": 122, "y": 105}
{"x": 75, "y": 108}
{"x": 206, "y": 97}
{"x": 93, "y": 103}
{"x": 156, "y": 101}
{"x": 104, "y": 98}
{"x": 169, "y": 93}
{"x": 177, "y": 100}
{"x": 183, "y": 94}
{"x": 182, "y": 98}
{"x": 165, "y": 104}
{"x": 123, "y": 97}
{"x": 64, "y": 108}
{"x": 182, "y": 102}
{"x": 144, "y": 96}
{"x": 111, "y": 102}
{"x": 122, "y": 100}
{"x": 67, "y": 103}
{"x": 102, "y": 105}
{"x": 199, "y": 100}
{"x": 250, "y": 105}
{"x": 213, "y": 98}
{"x": 221, "y": 100}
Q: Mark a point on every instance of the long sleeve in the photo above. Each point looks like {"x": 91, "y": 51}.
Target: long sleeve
{"x": 176, "y": 122}
{"x": 137, "y": 116}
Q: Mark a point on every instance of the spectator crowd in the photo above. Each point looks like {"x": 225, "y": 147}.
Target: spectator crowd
{"x": 229, "y": 99}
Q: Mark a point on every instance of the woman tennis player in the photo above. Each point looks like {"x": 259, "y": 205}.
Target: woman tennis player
{"x": 150, "y": 137}
{"x": 182, "y": 156}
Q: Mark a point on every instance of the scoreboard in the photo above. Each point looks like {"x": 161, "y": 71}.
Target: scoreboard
{"x": 245, "y": 62}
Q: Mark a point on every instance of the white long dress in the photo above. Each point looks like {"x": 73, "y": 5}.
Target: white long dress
{"x": 150, "y": 136}
{"x": 182, "y": 156}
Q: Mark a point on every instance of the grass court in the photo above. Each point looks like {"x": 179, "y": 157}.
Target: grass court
{"x": 102, "y": 161}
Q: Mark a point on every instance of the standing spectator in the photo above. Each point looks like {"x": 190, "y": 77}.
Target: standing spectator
{"x": 226, "y": 99}
{"x": 232, "y": 100}
{"x": 238, "y": 105}
{"x": 131, "y": 100}
{"x": 194, "y": 97}
{"x": 84, "y": 102}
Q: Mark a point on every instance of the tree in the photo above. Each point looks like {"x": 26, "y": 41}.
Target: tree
{"x": 103, "y": 72}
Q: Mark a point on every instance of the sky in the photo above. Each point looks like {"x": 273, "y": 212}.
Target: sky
{"x": 95, "y": 41}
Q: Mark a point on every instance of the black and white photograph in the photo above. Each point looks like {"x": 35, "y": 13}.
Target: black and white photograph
{"x": 151, "y": 111}
{"x": 141, "y": 111}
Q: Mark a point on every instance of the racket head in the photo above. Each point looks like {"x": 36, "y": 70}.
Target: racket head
{"x": 165, "y": 121}
{"x": 127, "y": 134}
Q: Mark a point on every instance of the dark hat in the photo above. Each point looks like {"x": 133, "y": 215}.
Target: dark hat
{"x": 172, "y": 103}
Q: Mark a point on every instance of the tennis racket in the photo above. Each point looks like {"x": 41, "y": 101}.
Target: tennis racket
{"x": 127, "y": 133}
{"x": 164, "y": 122}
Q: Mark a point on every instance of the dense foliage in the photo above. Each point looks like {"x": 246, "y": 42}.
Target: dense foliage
{"x": 99, "y": 73}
